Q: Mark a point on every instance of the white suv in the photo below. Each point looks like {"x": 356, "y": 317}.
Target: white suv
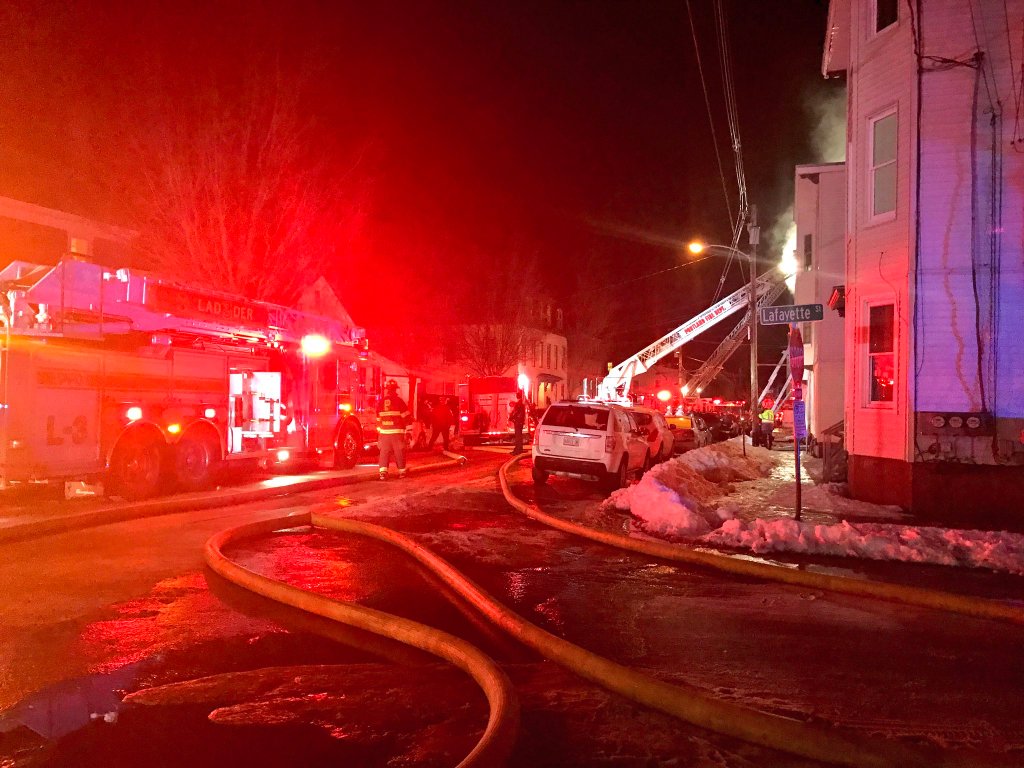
{"x": 591, "y": 441}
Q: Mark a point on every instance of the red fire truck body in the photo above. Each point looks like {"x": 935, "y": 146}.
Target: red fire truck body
{"x": 147, "y": 383}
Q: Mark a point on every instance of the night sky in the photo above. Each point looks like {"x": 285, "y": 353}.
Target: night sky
{"x": 575, "y": 131}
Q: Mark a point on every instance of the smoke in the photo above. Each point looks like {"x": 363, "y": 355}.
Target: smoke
{"x": 827, "y": 117}
{"x": 828, "y": 134}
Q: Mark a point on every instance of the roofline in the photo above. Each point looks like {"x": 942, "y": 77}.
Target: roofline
{"x": 807, "y": 170}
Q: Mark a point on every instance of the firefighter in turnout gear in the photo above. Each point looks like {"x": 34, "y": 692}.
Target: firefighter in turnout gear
{"x": 392, "y": 417}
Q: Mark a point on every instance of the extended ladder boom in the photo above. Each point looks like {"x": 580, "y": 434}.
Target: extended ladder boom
{"x": 707, "y": 372}
{"x": 615, "y": 386}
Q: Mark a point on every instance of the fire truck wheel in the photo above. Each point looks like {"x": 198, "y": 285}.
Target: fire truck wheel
{"x": 348, "y": 449}
{"x": 194, "y": 460}
{"x": 135, "y": 467}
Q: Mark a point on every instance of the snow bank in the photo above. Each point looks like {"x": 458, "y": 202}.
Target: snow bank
{"x": 725, "y": 462}
{"x": 998, "y": 551}
{"x": 687, "y": 498}
{"x": 680, "y": 497}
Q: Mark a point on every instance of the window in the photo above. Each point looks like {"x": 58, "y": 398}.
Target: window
{"x": 575, "y": 417}
{"x": 883, "y": 165}
{"x": 881, "y": 360}
{"x": 887, "y": 12}
{"x": 808, "y": 250}
{"x": 547, "y": 356}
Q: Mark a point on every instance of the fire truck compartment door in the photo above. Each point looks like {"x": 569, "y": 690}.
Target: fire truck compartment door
{"x": 55, "y": 410}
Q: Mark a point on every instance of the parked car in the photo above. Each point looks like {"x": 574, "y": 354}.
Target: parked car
{"x": 659, "y": 436}
{"x": 717, "y": 426}
{"x": 700, "y": 425}
{"x": 684, "y": 436}
{"x": 590, "y": 441}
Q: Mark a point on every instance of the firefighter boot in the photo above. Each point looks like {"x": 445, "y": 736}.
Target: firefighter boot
{"x": 382, "y": 474}
{"x": 401, "y": 474}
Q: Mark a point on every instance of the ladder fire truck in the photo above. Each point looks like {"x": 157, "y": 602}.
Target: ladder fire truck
{"x": 768, "y": 287}
{"x": 148, "y": 383}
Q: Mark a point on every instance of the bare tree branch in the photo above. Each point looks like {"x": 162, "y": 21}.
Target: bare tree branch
{"x": 235, "y": 195}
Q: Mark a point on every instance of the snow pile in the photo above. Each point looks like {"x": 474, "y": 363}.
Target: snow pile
{"x": 725, "y": 462}
{"x": 998, "y": 551}
{"x": 679, "y": 498}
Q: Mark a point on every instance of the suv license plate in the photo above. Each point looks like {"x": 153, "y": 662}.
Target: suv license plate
{"x": 570, "y": 441}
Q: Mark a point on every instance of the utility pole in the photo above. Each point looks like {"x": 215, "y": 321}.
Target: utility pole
{"x": 754, "y": 233}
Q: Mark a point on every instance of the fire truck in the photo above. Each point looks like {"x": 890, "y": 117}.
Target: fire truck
{"x": 487, "y": 401}
{"x": 147, "y": 384}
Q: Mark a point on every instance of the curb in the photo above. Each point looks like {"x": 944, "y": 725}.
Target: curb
{"x": 172, "y": 506}
{"x": 498, "y": 739}
{"x": 977, "y": 607}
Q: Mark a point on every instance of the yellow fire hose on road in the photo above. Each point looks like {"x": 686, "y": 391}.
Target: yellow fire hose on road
{"x": 499, "y": 735}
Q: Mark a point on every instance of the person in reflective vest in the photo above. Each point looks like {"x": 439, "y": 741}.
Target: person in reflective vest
{"x": 392, "y": 417}
{"x": 767, "y": 419}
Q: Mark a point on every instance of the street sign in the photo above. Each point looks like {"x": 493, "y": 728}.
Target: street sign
{"x": 792, "y": 313}
{"x": 799, "y": 419}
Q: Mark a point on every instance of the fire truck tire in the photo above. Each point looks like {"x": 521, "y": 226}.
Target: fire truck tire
{"x": 136, "y": 467}
{"x": 348, "y": 449}
{"x": 195, "y": 459}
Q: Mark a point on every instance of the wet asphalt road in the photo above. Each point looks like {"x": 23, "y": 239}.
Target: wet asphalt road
{"x": 88, "y": 616}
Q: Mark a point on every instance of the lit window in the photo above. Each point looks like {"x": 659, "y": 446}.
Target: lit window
{"x": 887, "y": 12}
{"x": 881, "y": 360}
{"x": 883, "y": 165}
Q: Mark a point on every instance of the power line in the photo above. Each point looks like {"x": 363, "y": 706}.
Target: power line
{"x": 711, "y": 118}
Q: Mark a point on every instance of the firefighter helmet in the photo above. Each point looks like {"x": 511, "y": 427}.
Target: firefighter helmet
{"x": 392, "y": 384}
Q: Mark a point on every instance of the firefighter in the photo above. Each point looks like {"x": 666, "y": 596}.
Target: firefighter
{"x": 441, "y": 419}
{"x": 517, "y": 415}
{"x": 392, "y": 416}
{"x": 767, "y": 423}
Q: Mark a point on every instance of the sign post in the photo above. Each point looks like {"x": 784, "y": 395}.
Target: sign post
{"x": 796, "y": 369}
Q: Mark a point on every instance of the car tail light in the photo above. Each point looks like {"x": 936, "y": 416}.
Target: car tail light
{"x": 609, "y": 444}
{"x": 536, "y": 437}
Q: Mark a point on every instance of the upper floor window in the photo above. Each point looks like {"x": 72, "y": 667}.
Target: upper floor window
{"x": 808, "y": 251}
{"x": 883, "y": 165}
{"x": 881, "y": 353}
{"x": 887, "y": 13}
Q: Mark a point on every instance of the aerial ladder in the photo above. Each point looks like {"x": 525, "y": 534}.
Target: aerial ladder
{"x": 711, "y": 367}
{"x": 615, "y": 386}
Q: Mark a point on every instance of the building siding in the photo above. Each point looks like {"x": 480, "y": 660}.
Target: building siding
{"x": 820, "y": 211}
{"x": 878, "y": 252}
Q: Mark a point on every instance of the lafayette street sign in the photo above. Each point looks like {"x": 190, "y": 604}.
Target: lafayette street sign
{"x": 794, "y": 313}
